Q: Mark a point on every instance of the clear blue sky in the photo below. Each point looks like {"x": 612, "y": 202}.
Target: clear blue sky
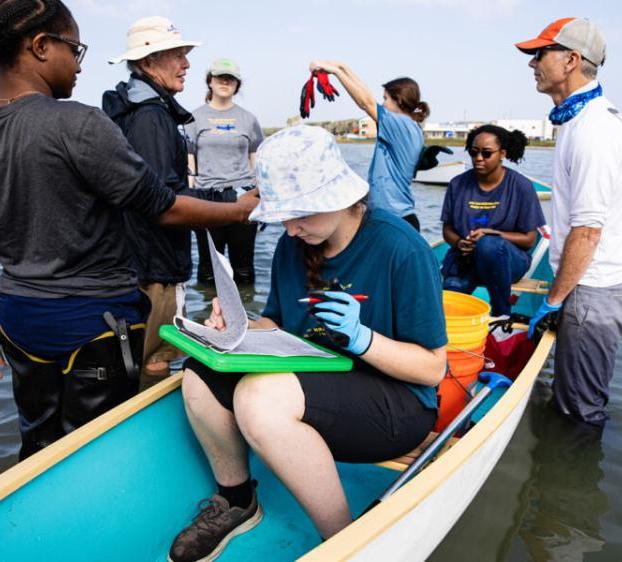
{"x": 460, "y": 51}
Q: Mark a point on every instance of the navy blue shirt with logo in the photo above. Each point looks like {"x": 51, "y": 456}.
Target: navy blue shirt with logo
{"x": 387, "y": 260}
{"x": 512, "y": 206}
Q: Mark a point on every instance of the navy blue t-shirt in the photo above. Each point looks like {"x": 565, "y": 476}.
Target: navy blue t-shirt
{"x": 512, "y": 206}
{"x": 387, "y": 260}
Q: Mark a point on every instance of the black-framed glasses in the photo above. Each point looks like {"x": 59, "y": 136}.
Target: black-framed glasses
{"x": 78, "y": 49}
{"x": 539, "y": 53}
{"x": 485, "y": 152}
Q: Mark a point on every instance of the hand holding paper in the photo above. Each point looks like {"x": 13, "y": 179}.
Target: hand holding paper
{"x": 216, "y": 319}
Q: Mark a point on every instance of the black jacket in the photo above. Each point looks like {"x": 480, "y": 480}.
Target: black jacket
{"x": 161, "y": 254}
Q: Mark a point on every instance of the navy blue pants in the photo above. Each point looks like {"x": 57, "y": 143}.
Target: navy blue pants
{"x": 495, "y": 263}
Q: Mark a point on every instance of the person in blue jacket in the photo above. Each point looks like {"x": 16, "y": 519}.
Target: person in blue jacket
{"x": 399, "y": 142}
{"x": 490, "y": 216}
{"x": 382, "y": 409}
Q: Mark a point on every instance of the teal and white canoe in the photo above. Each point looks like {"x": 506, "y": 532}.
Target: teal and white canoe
{"x": 121, "y": 487}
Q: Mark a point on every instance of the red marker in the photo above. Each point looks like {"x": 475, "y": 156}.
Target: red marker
{"x": 315, "y": 300}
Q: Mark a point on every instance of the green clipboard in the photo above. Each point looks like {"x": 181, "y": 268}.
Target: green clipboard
{"x": 232, "y": 363}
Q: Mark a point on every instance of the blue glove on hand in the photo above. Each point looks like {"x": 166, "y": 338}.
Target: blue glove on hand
{"x": 340, "y": 313}
{"x": 545, "y": 308}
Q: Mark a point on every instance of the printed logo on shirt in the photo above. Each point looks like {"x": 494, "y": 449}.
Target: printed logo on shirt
{"x": 481, "y": 221}
{"x": 222, "y": 126}
{"x": 484, "y": 205}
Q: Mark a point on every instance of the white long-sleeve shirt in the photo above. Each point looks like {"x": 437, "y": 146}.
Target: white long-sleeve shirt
{"x": 587, "y": 187}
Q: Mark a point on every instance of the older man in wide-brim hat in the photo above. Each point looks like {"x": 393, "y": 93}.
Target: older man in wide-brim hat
{"x": 150, "y": 117}
{"x": 587, "y": 216}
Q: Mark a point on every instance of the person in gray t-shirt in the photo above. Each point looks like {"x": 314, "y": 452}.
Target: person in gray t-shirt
{"x": 224, "y": 138}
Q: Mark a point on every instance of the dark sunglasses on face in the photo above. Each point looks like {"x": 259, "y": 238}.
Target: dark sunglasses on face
{"x": 485, "y": 152}
{"x": 78, "y": 49}
{"x": 539, "y": 53}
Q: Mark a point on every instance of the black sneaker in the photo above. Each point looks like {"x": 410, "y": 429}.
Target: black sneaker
{"x": 215, "y": 525}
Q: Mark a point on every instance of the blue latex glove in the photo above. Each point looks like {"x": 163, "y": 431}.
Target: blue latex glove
{"x": 340, "y": 313}
{"x": 545, "y": 308}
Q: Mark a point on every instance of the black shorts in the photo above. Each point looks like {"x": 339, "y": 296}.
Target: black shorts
{"x": 363, "y": 417}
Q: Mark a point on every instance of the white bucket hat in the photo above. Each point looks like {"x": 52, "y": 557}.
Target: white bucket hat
{"x": 300, "y": 172}
{"x": 151, "y": 35}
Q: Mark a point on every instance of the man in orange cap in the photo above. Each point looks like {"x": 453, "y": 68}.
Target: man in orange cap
{"x": 586, "y": 218}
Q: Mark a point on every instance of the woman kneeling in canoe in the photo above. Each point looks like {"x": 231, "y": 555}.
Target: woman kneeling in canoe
{"x": 301, "y": 423}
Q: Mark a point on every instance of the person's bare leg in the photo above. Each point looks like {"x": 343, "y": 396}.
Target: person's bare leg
{"x": 217, "y": 431}
{"x": 269, "y": 410}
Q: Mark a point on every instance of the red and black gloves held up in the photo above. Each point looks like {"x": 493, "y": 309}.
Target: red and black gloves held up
{"x": 307, "y": 96}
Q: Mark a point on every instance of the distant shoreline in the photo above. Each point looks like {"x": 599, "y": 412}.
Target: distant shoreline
{"x": 546, "y": 145}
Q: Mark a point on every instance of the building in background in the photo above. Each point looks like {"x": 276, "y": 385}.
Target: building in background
{"x": 534, "y": 129}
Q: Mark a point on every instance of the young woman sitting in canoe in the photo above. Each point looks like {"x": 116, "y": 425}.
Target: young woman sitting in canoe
{"x": 301, "y": 423}
{"x": 490, "y": 218}
{"x": 400, "y": 139}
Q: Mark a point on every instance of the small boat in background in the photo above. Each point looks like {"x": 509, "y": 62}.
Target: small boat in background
{"x": 441, "y": 174}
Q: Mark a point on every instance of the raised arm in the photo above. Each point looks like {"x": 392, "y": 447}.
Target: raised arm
{"x": 359, "y": 92}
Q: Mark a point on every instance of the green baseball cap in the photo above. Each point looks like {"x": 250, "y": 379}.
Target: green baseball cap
{"x": 225, "y": 66}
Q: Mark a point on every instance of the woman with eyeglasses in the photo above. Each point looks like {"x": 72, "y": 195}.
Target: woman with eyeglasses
{"x": 490, "y": 218}
{"x": 224, "y": 139}
{"x": 71, "y": 313}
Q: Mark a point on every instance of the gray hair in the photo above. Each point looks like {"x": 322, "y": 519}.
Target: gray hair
{"x": 588, "y": 69}
{"x": 136, "y": 66}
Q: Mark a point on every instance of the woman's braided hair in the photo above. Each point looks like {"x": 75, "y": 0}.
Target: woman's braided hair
{"x": 313, "y": 256}
{"x": 26, "y": 18}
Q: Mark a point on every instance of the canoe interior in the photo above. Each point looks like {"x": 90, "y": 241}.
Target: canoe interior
{"x": 125, "y": 495}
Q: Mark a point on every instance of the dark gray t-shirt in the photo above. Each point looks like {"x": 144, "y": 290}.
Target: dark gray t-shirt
{"x": 221, "y": 141}
{"x": 66, "y": 172}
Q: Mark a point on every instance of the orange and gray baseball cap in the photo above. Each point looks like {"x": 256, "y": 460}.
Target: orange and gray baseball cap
{"x": 577, "y": 34}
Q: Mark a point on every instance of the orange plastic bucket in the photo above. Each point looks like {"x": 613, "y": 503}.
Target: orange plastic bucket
{"x": 467, "y": 319}
{"x": 452, "y": 397}
{"x": 466, "y": 362}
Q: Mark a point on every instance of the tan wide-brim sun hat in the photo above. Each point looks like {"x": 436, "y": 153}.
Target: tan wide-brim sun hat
{"x": 151, "y": 35}
{"x": 301, "y": 172}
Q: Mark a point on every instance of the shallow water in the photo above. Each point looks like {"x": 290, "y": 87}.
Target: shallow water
{"x": 555, "y": 493}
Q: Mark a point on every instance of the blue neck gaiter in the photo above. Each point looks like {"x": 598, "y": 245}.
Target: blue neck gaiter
{"x": 571, "y": 106}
